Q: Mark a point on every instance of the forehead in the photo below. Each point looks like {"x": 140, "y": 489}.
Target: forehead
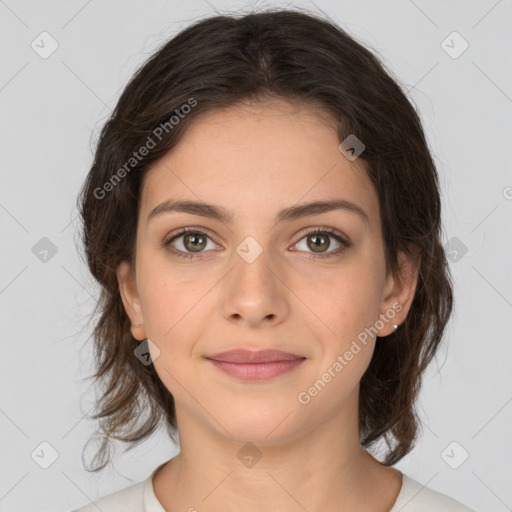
{"x": 257, "y": 158}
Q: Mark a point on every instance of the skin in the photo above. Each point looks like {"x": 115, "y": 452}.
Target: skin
{"x": 254, "y": 160}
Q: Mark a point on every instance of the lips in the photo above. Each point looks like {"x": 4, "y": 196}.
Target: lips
{"x": 247, "y": 356}
{"x": 255, "y": 365}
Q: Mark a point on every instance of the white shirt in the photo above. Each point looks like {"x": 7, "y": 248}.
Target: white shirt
{"x": 413, "y": 497}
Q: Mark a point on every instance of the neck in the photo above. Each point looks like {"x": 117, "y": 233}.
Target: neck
{"x": 325, "y": 469}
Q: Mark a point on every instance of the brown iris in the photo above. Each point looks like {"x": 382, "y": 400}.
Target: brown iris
{"x": 194, "y": 242}
{"x": 319, "y": 242}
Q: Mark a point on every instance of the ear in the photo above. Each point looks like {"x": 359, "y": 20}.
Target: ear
{"x": 399, "y": 291}
{"x": 131, "y": 300}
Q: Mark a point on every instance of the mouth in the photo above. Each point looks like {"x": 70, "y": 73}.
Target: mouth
{"x": 255, "y": 365}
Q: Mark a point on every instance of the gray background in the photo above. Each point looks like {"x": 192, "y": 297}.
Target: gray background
{"x": 51, "y": 110}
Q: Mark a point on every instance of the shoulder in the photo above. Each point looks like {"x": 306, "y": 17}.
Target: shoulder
{"x": 134, "y": 498}
{"x": 415, "y": 497}
{"x": 130, "y": 499}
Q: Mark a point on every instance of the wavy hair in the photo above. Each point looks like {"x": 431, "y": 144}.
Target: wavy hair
{"x": 218, "y": 62}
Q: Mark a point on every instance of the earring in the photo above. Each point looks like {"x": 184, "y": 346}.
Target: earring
{"x": 395, "y": 327}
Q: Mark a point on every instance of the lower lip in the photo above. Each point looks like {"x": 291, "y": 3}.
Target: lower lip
{"x": 257, "y": 371}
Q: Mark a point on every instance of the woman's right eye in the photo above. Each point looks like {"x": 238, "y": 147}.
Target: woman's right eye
{"x": 189, "y": 242}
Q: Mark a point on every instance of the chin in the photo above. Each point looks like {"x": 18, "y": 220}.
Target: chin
{"x": 269, "y": 424}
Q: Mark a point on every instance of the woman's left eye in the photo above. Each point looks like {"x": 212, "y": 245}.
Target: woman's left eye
{"x": 319, "y": 241}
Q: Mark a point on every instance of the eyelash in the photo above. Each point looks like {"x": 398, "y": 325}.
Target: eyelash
{"x": 318, "y": 231}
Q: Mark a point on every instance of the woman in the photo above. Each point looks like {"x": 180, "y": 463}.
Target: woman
{"x": 263, "y": 216}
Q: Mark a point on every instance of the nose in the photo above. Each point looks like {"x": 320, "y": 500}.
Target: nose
{"x": 255, "y": 293}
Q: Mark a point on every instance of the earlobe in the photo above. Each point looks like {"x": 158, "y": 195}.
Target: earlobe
{"x": 131, "y": 300}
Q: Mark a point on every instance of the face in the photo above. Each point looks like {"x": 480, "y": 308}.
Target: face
{"x": 258, "y": 271}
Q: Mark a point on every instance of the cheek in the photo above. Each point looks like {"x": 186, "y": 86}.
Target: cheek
{"x": 173, "y": 300}
{"x": 345, "y": 299}
{"x": 174, "y": 311}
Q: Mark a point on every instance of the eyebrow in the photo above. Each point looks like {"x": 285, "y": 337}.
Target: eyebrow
{"x": 288, "y": 214}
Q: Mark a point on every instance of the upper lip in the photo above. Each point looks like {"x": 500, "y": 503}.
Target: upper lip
{"x": 250, "y": 356}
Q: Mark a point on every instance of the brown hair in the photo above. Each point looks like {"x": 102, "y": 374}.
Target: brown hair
{"x": 222, "y": 61}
